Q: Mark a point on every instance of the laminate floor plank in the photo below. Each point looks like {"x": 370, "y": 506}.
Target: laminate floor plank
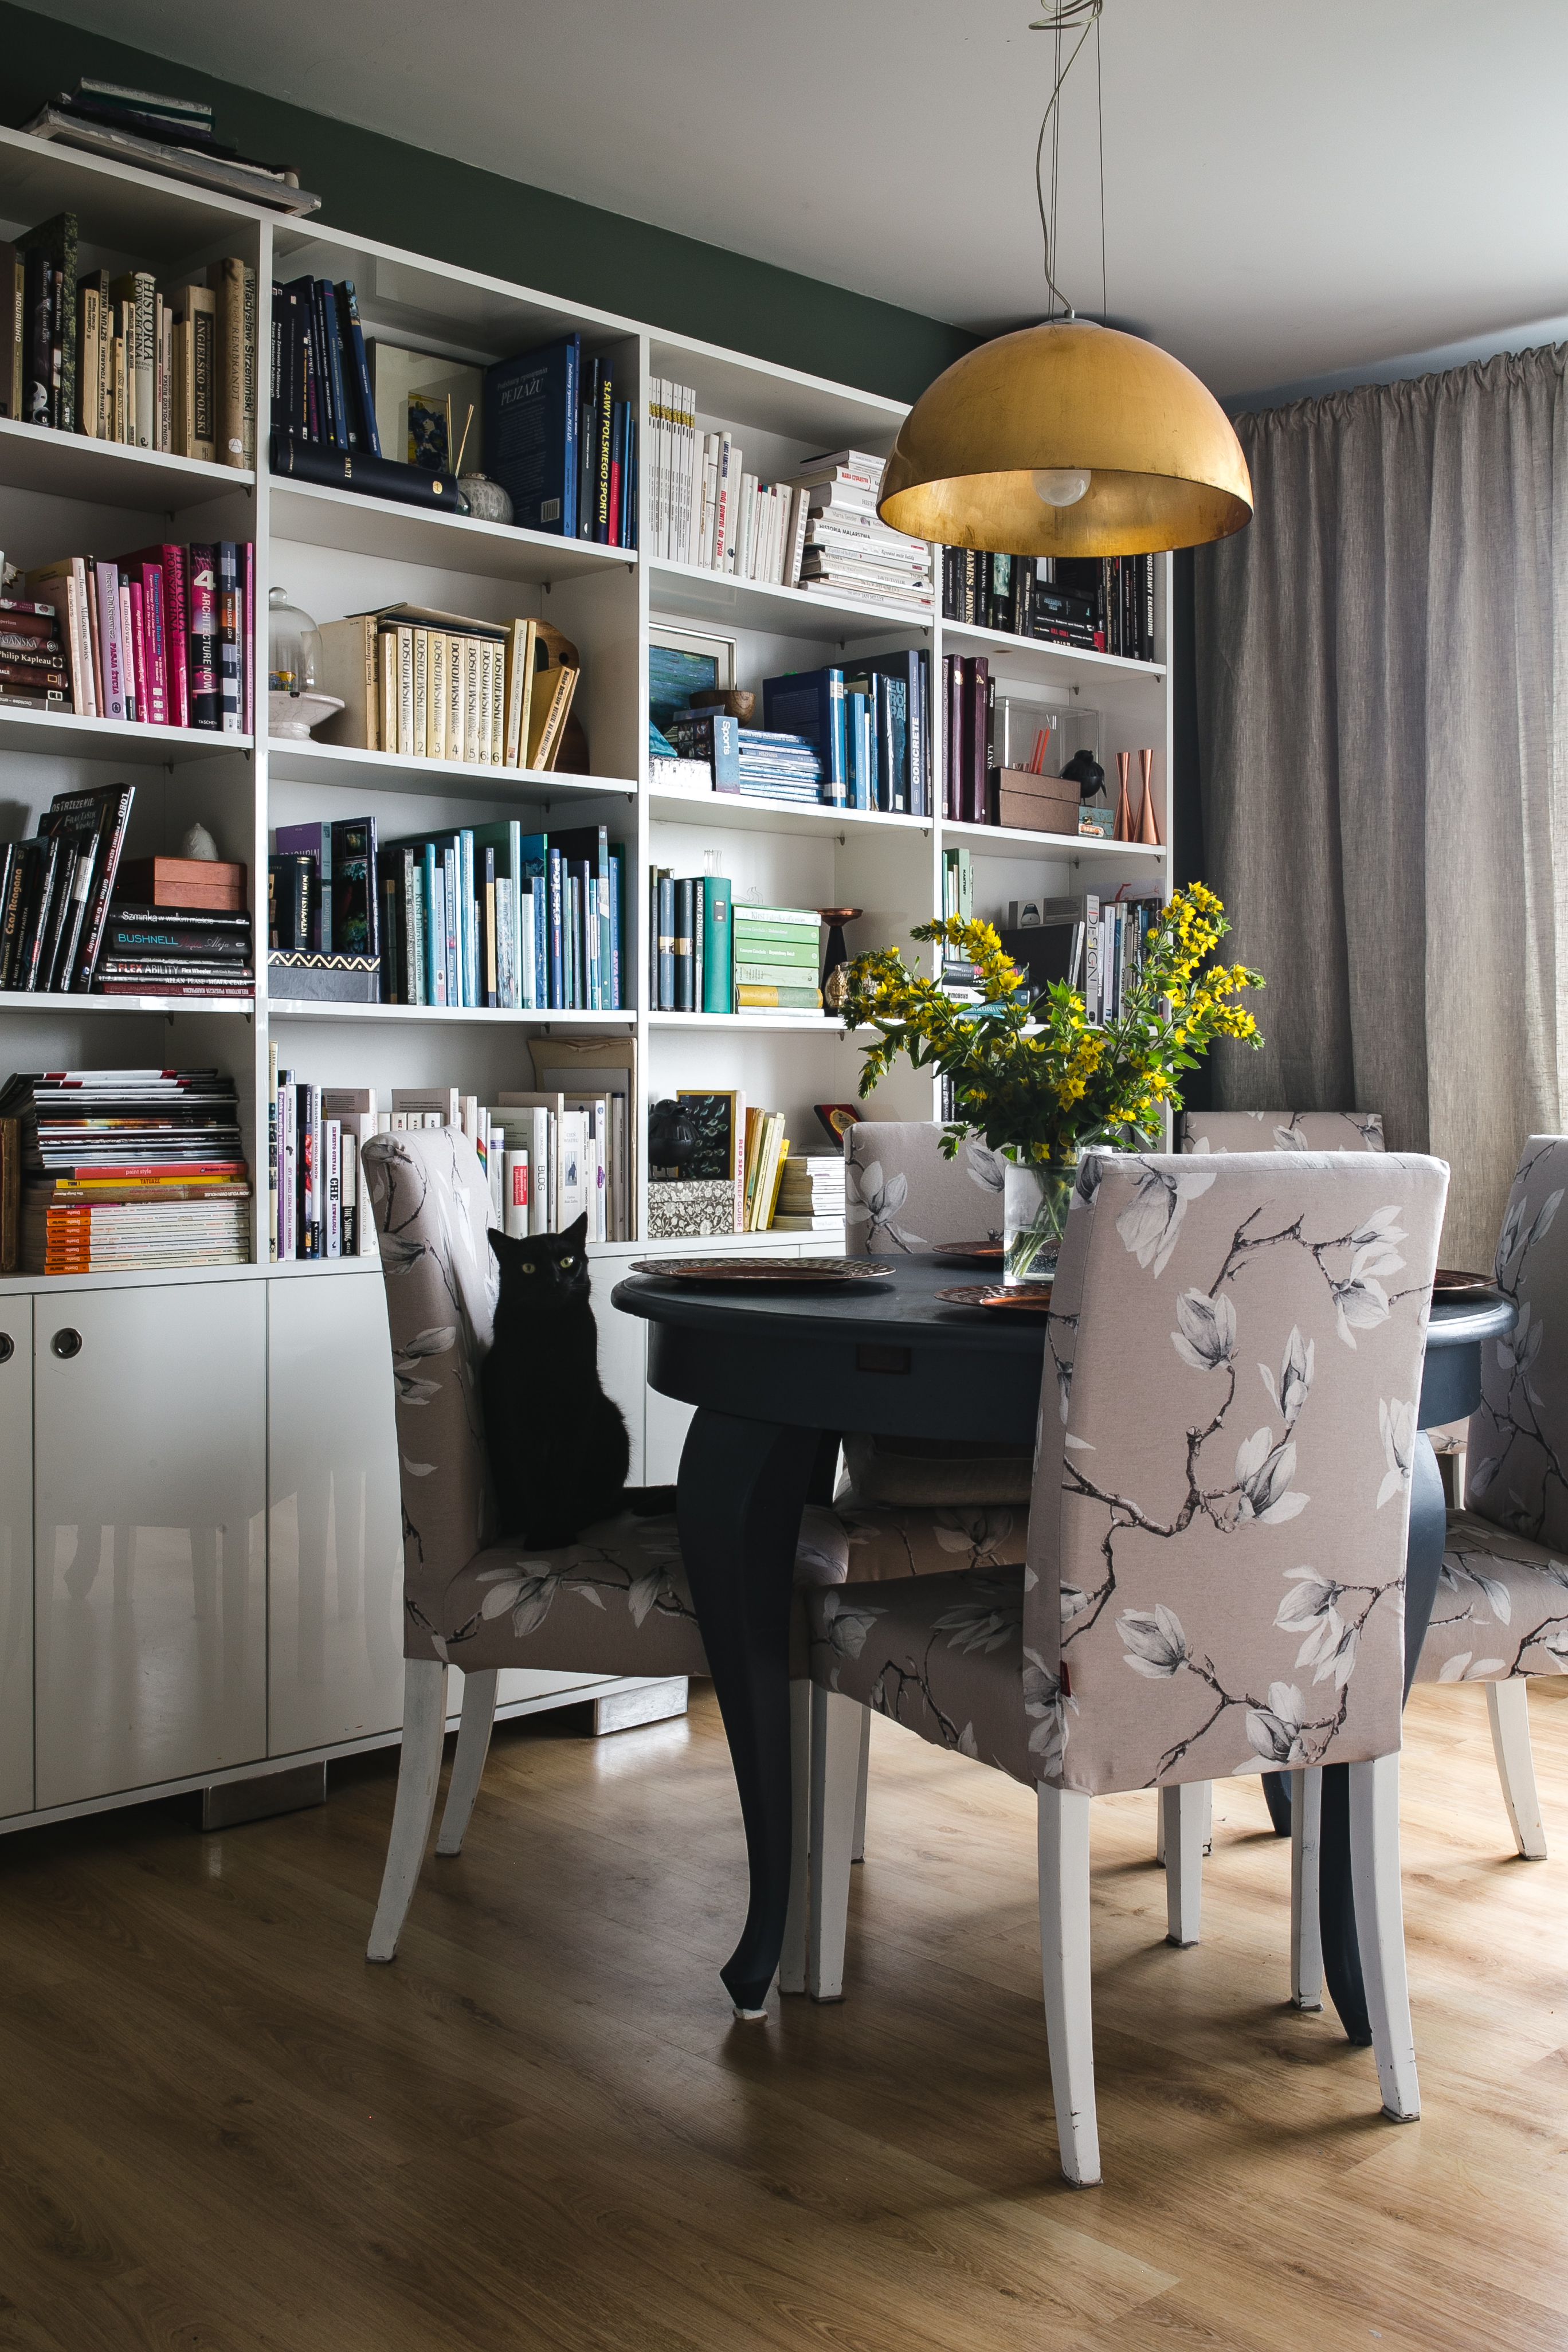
{"x": 539, "y": 2128}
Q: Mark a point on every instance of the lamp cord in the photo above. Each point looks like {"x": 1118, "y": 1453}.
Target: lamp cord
{"x": 1070, "y": 16}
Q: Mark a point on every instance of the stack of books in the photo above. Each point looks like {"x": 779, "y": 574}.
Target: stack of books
{"x": 811, "y": 1196}
{"x": 125, "y": 1169}
{"x": 868, "y": 722}
{"x": 774, "y": 765}
{"x": 171, "y": 135}
{"x": 1100, "y": 604}
{"x": 706, "y": 510}
{"x": 778, "y": 952}
{"x": 163, "y": 636}
{"x": 34, "y": 667}
{"x": 438, "y": 686}
{"x": 176, "y": 951}
{"x": 56, "y": 888}
{"x": 121, "y": 358}
{"x": 848, "y": 553}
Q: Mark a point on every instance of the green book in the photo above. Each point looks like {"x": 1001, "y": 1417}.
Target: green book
{"x": 805, "y": 916}
{"x": 773, "y": 975}
{"x": 759, "y": 999}
{"x": 56, "y": 241}
{"x": 718, "y": 993}
{"x": 753, "y": 947}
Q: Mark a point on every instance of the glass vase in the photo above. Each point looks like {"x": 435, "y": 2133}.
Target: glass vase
{"x": 1036, "y": 1197}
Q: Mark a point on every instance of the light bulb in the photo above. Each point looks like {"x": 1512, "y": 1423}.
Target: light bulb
{"x": 1062, "y": 486}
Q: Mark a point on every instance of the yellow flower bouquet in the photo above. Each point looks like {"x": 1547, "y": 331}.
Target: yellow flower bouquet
{"x": 1029, "y": 1073}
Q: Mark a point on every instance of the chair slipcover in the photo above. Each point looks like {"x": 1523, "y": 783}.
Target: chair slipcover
{"x": 1281, "y": 1130}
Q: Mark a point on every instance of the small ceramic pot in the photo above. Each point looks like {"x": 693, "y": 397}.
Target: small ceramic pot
{"x": 486, "y": 501}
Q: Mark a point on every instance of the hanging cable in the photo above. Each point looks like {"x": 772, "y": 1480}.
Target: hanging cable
{"x": 1079, "y": 16}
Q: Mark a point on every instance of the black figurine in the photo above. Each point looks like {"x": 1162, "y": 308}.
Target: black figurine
{"x": 672, "y": 1136}
{"x": 1085, "y": 771}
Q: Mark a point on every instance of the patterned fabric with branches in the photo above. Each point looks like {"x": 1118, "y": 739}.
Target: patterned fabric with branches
{"x": 904, "y": 1194}
{"x": 1518, "y": 1471}
{"x": 1281, "y": 1130}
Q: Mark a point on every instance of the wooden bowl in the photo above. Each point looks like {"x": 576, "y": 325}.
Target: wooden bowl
{"x": 733, "y": 701}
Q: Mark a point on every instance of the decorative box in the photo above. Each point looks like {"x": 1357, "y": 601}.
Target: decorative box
{"x": 691, "y": 1211}
{"x": 1032, "y": 804}
{"x": 301, "y": 978}
{"x": 1097, "y": 823}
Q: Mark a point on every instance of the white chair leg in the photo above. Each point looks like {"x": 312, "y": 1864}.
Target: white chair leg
{"x": 474, "y": 1726}
{"x": 1181, "y": 1814}
{"x": 857, "y": 1849}
{"x": 1507, "y": 1709}
{"x": 1380, "y": 1930}
{"x": 835, "y": 1754}
{"x": 1064, "y": 1958}
{"x": 1306, "y": 1933}
{"x": 792, "y": 1957}
{"x": 1160, "y": 1827}
{"x": 418, "y": 1776}
{"x": 1208, "y": 1817}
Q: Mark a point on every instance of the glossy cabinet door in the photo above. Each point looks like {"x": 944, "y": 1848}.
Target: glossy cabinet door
{"x": 16, "y": 1556}
{"x": 149, "y": 1561}
{"x": 335, "y": 1579}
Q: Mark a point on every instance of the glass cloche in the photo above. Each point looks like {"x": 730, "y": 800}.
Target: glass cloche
{"x": 294, "y": 656}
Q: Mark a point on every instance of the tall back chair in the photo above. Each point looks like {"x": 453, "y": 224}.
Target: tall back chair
{"x": 1502, "y": 1604}
{"x": 614, "y": 1602}
{"x": 904, "y": 1195}
{"x": 1215, "y": 1571}
{"x": 1281, "y": 1130}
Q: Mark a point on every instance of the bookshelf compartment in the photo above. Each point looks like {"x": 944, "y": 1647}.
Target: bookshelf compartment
{"x": 383, "y": 529}
{"x": 962, "y": 637}
{"x": 752, "y": 812}
{"x": 62, "y": 735}
{"x": 690, "y": 591}
{"x": 342, "y": 766}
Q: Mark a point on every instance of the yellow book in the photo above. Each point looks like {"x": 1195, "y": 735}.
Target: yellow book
{"x": 183, "y": 389}
{"x": 227, "y": 280}
{"x": 386, "y": 653}
{"x": 751, "y": 996}
{"x": 407, "y": 741}
{"x": 89, "y": 362}
{"x": 440, "y": 703}
{"x": 454, "y": 697}
{"x": 350, "y": 670}
{"x": 775, "y": 1183}
{"x": 473, "y": 740}
{"x": 552, "y": 692}
{"x": 421, "y": 745}
{"x": 519, "y": 687}
{"x": 195, "y": 309}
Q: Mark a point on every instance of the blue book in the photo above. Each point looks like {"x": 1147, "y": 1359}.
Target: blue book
{"x": 811, "y": 703}
{"x": 530, "y": 434}
{"x": 370, "y": 437}
{"x": 902, "y": 733}
{"x": 505, "y": 840}
{"x": 434, "y": 928}
{"x": 331, "y": 367}
{"x": 862, "y": 780}
{"x": 617, "y": 870}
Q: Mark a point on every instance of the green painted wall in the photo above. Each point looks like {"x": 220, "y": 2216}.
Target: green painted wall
{"x": 380, "y": 187}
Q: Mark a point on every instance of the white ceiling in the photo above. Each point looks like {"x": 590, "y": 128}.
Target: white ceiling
{"x": 1290, "y": 188}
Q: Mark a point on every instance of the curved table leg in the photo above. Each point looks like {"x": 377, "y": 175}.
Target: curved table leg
{"x": 1336, "y": 1907}
{"x": 741, "y": 1491}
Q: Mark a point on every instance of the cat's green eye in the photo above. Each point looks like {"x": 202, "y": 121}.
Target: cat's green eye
{"x": 526, "y": 1266}
{"x": 567, "y": 1263}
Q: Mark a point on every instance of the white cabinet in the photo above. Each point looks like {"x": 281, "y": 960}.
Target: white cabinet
{"x": 150, "y": 1535}
{"x": 334, "y": 1635}
{"x": 16, "y": 1556}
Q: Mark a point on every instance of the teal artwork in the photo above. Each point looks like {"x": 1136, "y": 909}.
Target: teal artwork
{"x": 673, "y": 677}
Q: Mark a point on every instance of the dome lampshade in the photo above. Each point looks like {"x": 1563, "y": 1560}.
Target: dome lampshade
{"x": 1067, "y": 439}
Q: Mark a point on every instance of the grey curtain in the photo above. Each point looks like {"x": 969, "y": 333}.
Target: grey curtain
{"x": 1383, "y": 712}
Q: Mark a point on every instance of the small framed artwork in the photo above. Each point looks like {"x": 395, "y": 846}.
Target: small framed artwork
{"x": 721, "y": 1139}
{"x": 684, "y": 662}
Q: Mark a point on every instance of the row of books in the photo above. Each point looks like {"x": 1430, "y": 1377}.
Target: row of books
{"x": 481, "y": 916}
{"x": 705, "y": 508}
{"x": 712, "y": 954}
{"x": 111, "y": 1171}
{"x": 161, "y": 637}
{"x": 562, "y": 445}
{"x": 440, "y": 685}
{"x": 1101, "y": 603}
{"x": 969, "y": 698}
{"x": 1096, "y": 945}
{"x": 856, "y": 735}
{"x": 550, "y": 1156}
{"x": 123, "y": 359}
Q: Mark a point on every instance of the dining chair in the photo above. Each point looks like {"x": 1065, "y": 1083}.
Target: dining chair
{"x": 1281, "y": 1130}
{"x": 1214, "y": 1581}
{"x": 614, "y": 1602}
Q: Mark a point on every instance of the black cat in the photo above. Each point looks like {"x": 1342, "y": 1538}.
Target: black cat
{"x": 558, "y": 1446}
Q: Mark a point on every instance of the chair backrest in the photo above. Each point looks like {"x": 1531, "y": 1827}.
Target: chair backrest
{"x": 1517, "y": 1469}
{"x": 1222, "y": 1485}
{"x": 903, "y": 1194}
{"x": 1282, "y": 1130}
{"x": 431, "y": 1204}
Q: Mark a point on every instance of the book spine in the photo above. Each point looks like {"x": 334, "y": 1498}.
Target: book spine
{"x": 158, "y": 670}
{"x": 205, "y": 699}
{"x": 107, "y": 581}
{"x": 231, "y": 689}
{"x": 273, "y": 1152}
{"x": 557, "y": 999}
{"x": 370, "y": 439}
{"x": 231, "y": 363}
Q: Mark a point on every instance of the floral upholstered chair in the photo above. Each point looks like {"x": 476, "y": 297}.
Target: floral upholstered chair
{"x": 1281, "y": 1130}
{"x": 614, "y": 1602}
{"x": 1502, "y": 1604}
{"x": 1214, "y": 1582}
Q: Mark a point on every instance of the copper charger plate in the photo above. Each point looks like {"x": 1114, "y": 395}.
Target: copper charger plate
{"x": 775, "y": 1273}
{"x": 1451, "y": 1287}
{"x": 1024, "y": 1299}
{"x": 976, "y": 1254}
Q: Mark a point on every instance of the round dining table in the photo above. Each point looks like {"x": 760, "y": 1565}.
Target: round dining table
{"x": 777, "y": 1375}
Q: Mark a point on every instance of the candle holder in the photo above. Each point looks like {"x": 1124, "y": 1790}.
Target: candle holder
{"x": 1123, "y": 804}
{"x": 1148, "y": 823}
{"x": 835, "y": 963}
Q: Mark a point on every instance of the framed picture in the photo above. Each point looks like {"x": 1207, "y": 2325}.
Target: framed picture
{"x": 681, "y": 663}
{"x": 721, "y": 1137}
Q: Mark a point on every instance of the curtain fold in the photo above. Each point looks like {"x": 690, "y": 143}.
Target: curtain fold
{"x": 1383, "y": 713}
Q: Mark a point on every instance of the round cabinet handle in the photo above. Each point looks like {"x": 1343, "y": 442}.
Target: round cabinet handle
{"x": 66, "y": 1342}
{"x": 8, "y": 1347}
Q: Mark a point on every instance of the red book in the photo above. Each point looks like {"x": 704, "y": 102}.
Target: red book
{"x": 176, "y": 626}
{"x": 247, "y": 639}
{"x": 139, "y": 648}
{"x": 157, "y": 656}
{"x": 953, "y": 762}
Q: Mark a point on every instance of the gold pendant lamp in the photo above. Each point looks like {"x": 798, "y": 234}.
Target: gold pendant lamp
{"x": 1068, "y": 438}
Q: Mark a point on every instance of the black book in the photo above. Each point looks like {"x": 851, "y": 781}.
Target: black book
{"x": 37, "y": 318}
{"x": 603, "y": 435}
{"x": 356, "y": 916}
{"x": 23, "y": 875}
{"x": 355, "y": 469}
{"x": 588, "y": 447}
{"x": 685, "y": 909}
{"x": 38, "y": 912}
{"x": 293, "y": 879}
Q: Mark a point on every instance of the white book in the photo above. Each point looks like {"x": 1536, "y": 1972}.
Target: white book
{"x": 515, "y": 1203}
{"x": 710, "y": 509}
{"x": 685, "y": 549}
{"x": 332, "y": 1157}
{"x": 440, "y": 1102}
{"x": 746, "y": 529}
{"x": 800, "y": 517}
{"x": 537, "y": 1132}
{"x": 572, "y": 1200}
{"x": 729, "y": 471}
{"x": 495, "y": 1170}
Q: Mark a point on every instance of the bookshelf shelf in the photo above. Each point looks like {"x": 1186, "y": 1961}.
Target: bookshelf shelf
{"x": 691, "y": 592}
{"x": 962, "y": 637}
{"x": 742, "y": 1025}
{"x": 64, "y": 735}
{"x": 1071, "y": 848}
{"x": 754, "y": 813}
{"x": 476, "y": 1016}
{"x": 389, "y": 771}
{"x": 147, "y": 481}
{"x": 320, "y": 516}
{"x": 36, "y": 1001}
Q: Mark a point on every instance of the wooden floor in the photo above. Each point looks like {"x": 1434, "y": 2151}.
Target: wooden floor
{"x": 223, "y": 2131}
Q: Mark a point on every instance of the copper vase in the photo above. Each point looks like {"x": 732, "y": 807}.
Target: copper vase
{"x": 1123, "y": 805}
{"x": 1148, "y": 823}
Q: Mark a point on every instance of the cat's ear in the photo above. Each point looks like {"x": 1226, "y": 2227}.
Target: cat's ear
{"x": 575, "y": 1236}
{"x": 503, "y": 1244}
